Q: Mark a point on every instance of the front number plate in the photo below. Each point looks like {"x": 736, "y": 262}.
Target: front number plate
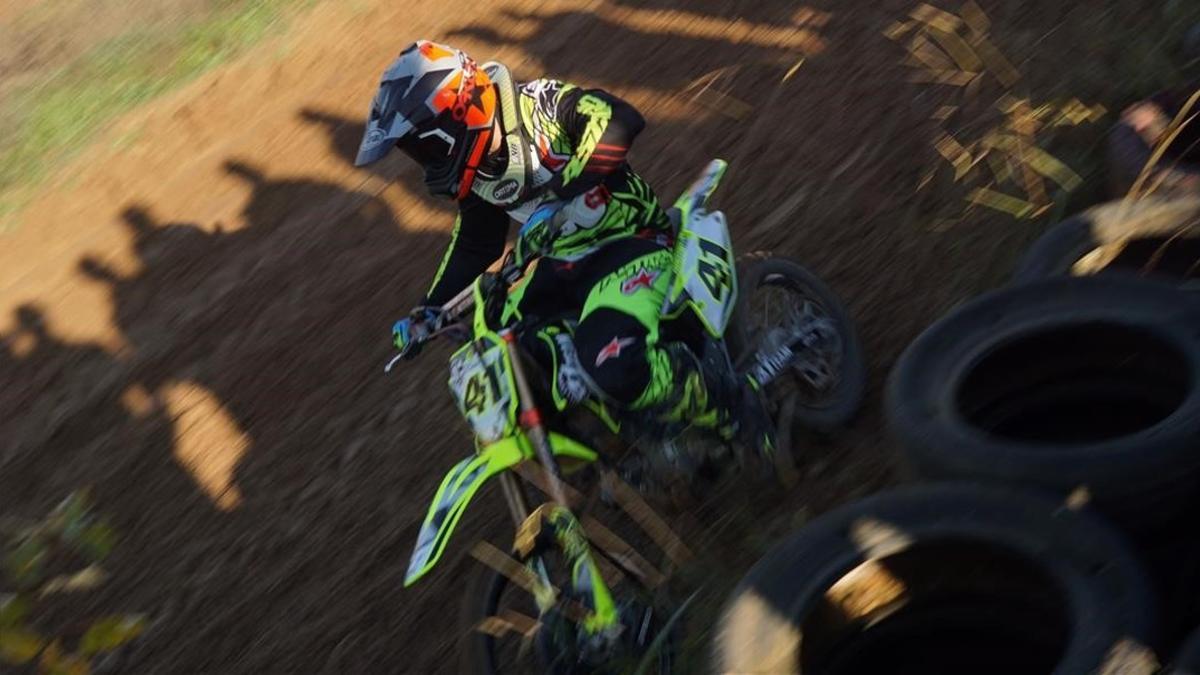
{"x": 481, "y": 380}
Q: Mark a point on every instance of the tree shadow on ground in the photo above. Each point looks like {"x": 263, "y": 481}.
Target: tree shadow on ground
{"x": 673, "y": 48}
{"x": 247, "y": 446}
{"x": 346, "y": 133}
{"x": 73, "y": 416}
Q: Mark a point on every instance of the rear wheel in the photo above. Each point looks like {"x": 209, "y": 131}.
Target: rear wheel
{"x": 823, "y": 388}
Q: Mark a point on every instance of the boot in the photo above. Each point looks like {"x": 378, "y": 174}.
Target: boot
{"x": 709, "y": 394}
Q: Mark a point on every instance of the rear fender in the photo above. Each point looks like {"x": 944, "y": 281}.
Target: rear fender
{"x": 461, "y": 484}
{"x": 703, "y": 272}
{"x": 703, "y": 269}
{"x": 697, "y": 194}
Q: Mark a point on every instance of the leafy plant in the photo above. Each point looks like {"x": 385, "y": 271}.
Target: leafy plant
{"x": 60, "y": 554}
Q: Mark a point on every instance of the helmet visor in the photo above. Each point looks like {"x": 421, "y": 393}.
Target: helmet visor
{"x": 377, "y": 136}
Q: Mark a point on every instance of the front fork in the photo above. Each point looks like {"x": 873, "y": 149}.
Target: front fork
{"x": 568, "y": 533}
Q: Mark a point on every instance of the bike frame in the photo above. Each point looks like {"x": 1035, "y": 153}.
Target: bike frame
{"x": 489, "y": 376}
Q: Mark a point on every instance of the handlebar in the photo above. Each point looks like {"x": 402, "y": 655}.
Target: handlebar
{"x": 451, "y": 315}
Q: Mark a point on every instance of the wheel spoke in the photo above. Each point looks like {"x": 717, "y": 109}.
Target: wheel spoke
{"x": 816, "y": 372}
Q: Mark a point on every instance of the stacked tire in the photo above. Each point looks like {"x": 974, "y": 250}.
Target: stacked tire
{"x": 1151, "y": 237}
{"x": 1083, "y": 382}
{"x": 944, "y": 580}
{"x": 1053, "y": 428}
{"x": 1070, "y": 385}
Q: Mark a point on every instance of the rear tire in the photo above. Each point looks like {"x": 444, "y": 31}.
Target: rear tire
{"x": 830, "y": 410}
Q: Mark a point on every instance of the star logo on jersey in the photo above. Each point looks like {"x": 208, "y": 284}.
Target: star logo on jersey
{"x": 642, "y": 279}
{"x": 549, "y": 159}
{"x": 613, "y": 349}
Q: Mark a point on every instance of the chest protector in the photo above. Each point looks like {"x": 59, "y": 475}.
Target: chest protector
{"x": 518, "y": 190}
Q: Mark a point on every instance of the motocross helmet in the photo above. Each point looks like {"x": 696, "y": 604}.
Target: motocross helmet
{"x": 437, "y": 107}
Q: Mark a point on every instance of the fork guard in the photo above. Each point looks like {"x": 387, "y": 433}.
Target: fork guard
{"x": 461, "y": 484}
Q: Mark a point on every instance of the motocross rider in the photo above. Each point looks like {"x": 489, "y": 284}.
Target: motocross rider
{"x": 552, "y": 156}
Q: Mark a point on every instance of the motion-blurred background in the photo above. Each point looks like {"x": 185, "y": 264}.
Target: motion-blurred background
{"x": 196, "y": 284}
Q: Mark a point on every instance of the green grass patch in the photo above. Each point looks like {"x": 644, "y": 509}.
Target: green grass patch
{"x": 46, "y": 123}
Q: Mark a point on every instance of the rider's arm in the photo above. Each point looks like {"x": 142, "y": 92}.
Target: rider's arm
{"x": 478, "y": 240}
{"x": 602, "y": 127}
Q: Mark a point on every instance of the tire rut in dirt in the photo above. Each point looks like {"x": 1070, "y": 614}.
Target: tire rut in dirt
{"x": 1067, "y": 383}
{"x": 942, "y": 580}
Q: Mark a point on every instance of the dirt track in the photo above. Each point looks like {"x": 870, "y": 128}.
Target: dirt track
{"x": 196, "y": 323}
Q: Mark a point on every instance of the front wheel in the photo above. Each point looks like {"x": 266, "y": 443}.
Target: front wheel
{"x": 823, "y": 387}
{"x": 503, "y": 632}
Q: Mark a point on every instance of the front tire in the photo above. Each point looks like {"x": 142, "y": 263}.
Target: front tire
{"x": 551, "y": 650}
{"x": 478, "y": 650}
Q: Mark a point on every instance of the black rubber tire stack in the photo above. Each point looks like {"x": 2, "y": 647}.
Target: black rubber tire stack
{"x": 1187, "y": 658}
{"x": 1054, "y": 430}
{"x": 1066, "y": 384}
{"x": 943, "y": 580}
{"x": 1058, "y": 426}
{"x": 1087, "y": 388}
{"x": 1156, "y": 237}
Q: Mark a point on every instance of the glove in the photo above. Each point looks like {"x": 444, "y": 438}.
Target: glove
{"x": 541, "y": 218}
{"x": 406, "y": 332}
{"x": 538, "y": 233}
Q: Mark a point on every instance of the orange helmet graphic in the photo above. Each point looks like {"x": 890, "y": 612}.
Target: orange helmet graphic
{"x": 437, "y": 106}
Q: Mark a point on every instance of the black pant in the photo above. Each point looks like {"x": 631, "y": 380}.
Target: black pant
{"x": 616, "y": 294}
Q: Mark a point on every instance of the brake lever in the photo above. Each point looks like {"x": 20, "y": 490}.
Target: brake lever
{"x": 422, "y": 333}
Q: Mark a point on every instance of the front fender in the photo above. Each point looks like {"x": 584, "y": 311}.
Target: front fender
{"x": 461, "y": 484}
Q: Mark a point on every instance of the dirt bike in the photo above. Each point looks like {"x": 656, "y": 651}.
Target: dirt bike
{"x": 564, "y": 569}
